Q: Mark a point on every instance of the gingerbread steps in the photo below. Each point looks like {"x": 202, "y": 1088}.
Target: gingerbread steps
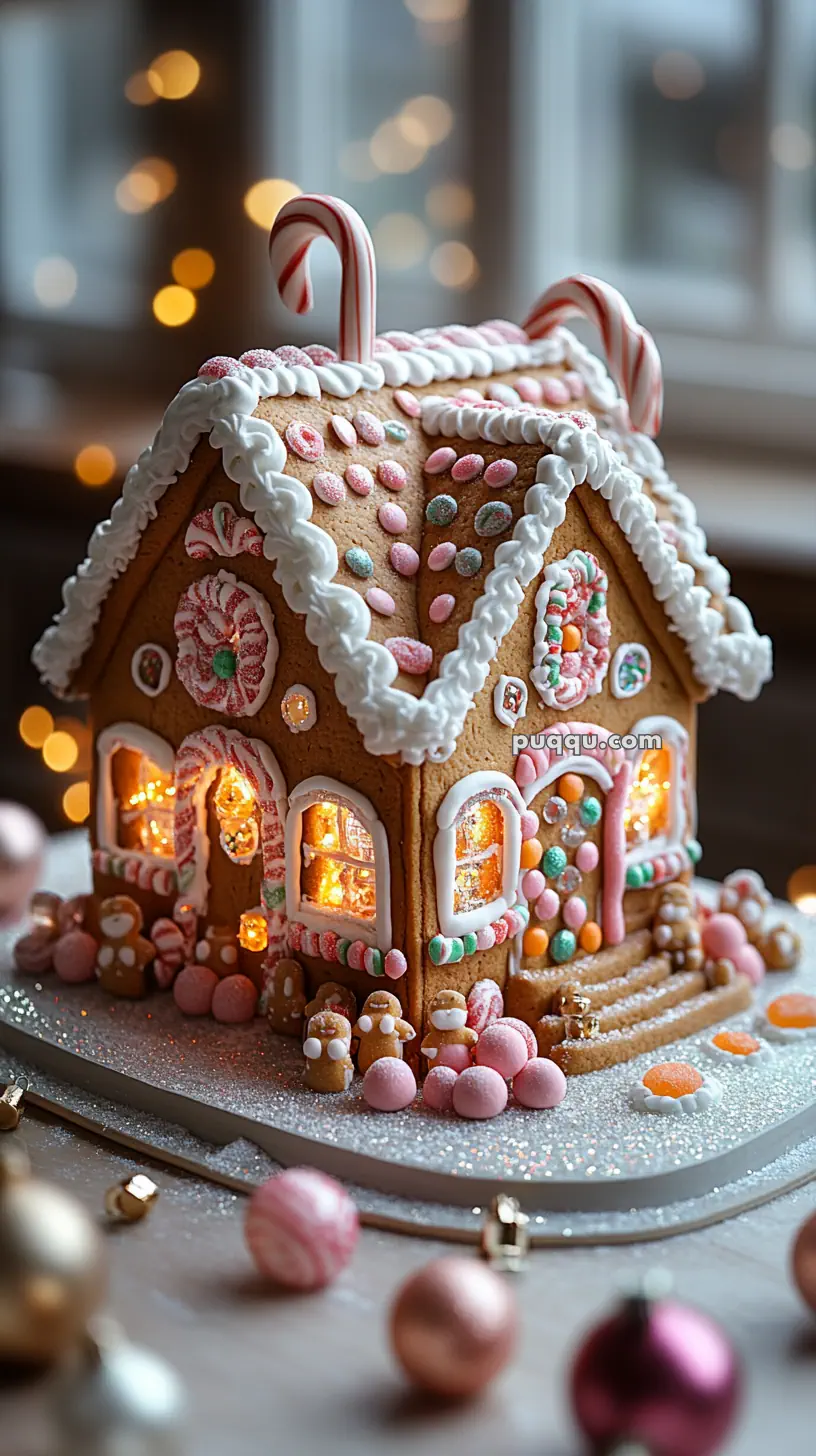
{"x": 610, "y": 1048}
{"x": 631, "y": 1009}
{"x": 529, "y": 993}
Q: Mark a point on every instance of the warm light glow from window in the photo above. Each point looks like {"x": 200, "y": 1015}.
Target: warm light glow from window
{"x": 338, "y": 862}
{"x": 150, "y": 809}
{"x": 792, "y": 147}
{"x": 264, "y": 200}
{"x": 35, "y": 725}
{"x": 253, "y": 933}
{"x": 95, "y": 465}
{"x": 454, "y": 265}
{"x": 76, "y": 802}
{"x": 401, "y": 240}
{"x": 479, "y": 856}
{"x": 193, "y": 268}
{"x": 55, "y": 282}
{"x": 449, "y": 204}
{"x": 394, "y": 151}
{"x": 174, "y": 75}
{"x": 60, "y": 751}
{"x": 429, "y": 117}
{"x": 173, "y": 305}
{"x": 678, "y": 75}
{"x": 139, "y": 91}
{"x": 647, "y": 810}
{"x": 234, "y": 804}
{"x": 802, "y": 889}
{"x": 438, "y": 12}
{"x": 148, "y": 182}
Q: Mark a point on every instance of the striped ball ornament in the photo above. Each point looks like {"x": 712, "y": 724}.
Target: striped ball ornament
{"x": 301, "y": 1228}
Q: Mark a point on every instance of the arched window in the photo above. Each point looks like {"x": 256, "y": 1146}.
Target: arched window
{"x": 658, "y": 812}
{"x": 476, "y": 851}
{"x": 337, "y": 867}
{"x": 135, "y": 802}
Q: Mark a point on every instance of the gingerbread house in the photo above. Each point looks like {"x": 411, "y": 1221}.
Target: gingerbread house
{"x": 394, "y": 657}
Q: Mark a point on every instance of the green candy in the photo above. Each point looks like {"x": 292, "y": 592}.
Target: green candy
{"x": 590, "y": 810}
{"x": 554, "y": 861}
{"x": 342, "y": 951}
{"x": 396, "y": 430}
{"x": 468, "y": 561}
{"x": 376, "y": 964}
{"x": 554, "y": 634}
{"x": 224, "y": 663}
{"x": 457, "y": 950}
{"x": 694, "y": 850}
{"x": 469, "y": 942}
{"x": 359, "y": 561}
{"x": 441, "y": 510}
{"x": 436, "y": 949}
{"x": 648, "y": 871}
{"x": 562, "y": 946}
{"x": 634, "y": 877}
{"x": 493, "y": 518}
{"x": 596, "y": 601}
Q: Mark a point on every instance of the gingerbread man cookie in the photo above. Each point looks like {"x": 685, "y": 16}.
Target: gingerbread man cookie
{"x": 744, "y": 894}
{"x": 329, "y": 1067}
{"x": 675, "y": 928}
{"x": 780, "y": 948}
{"x": 285, "y": 998}
{"x": 381, "y": 1029}
{"x": 123, "y": 953}
{"x": 450, "y": 1041}
{"x": 333, "y": 997}
{"x": 218, "y": 949}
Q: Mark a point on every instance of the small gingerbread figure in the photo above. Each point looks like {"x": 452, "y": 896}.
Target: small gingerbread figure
{"x": 327, "y": 1050}
{"x": 218, "y": 949}
{"x": 780, "y": 948}
{"x": 450, "y": 1041}
{"x": 381, "y": 1029}
{"x": 284, "y": 997}
{"x": 744, "y": 894}
{"x": 333, "y": 996}
{"x": 123, "y": 954}
{"x": 675, "y": 929}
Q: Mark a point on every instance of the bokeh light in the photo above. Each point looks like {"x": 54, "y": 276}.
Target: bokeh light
{"x": 792, "y": 147}
{"x": 95, "y": 465}
{"x": 802, "y": 889}
{"x": 35, "y": 725}
{"x": 139, "y": 91}
{"x": 76, "y": 801}
{"x": 55, "y": 282}
{"x": 174, "y": 75}
{"x": 148, "y": 182}
{"x": 60, "y": 751}
{"x": 393, "y": 150}
{"x": 428, "y": 117}
{"x": 264, "y": 200}
{"x": 449, "y": 204}
{"x": 454, "y": 265}
{"x": 437, "y": 12}
{"x": 678, "y": 75}
{"x": 401, "y": 240}
{"x": 193, "y": 267}
{"x": 174, "y": 305}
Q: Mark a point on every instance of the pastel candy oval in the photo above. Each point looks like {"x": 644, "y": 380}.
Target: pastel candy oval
{"x": 441, "y": 510}
{"x": 439, "y": 460}
{"x": 304, "y": 440}
{"x": 359, "y": 479}
{"x": 396, "y": 430}
{"x": 408, "y": 403}
{"x": 359, "y": 561}
{"x": 493, "y": 518}
{"x": 395, "y": 963}
{"x": 467, "y": 468}
{"x": 529, "y": 389}
{"x": 404, "y": 558}
{"x": 470, "y": 396}
{"x": 529, "y": 824}
{"x": 381, "y": 601}
{"x": 468, "y": 561}
{"x": 369, "y": 428}
{"x": 411, "y": 656}
{"x": 586, "y": 856}
{"x": 503, "y": 393}
{"x": 344, "y": 430}
{"x": 500, "y": 472}
{"x": 329, "y": 488}
{"x": 442, "y": 556}
{"x": 574, "y": 383}
{"x": 575, "y": 912}
{"x": 547, "y": 904}
{"x": 392, "y": 475}
{"x": 533, "y": 885}
{"x": 555, "y": 392}
{"x": 392, "y": 518}
{"x": 441, "y": 607}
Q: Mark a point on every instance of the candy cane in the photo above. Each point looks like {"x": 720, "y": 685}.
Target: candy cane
{"x": 295, "y": 228}
{"x": 631, "y": 352}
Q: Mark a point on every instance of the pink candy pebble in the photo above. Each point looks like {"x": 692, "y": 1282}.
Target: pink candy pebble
{"x": 437, "y": 1089}
{"x": 529, "y": 389}
{"x": 395, "y": 964}
{"x": 218, "y": 367}
{"x": 301, "y": 1228}
{"x": 529, "y": 824}
{"x": 502, "y": 1048}
{"x": 533, "y": 884}
{"x": 523, "y": 1030}
{"x": 389, "y": 1085}
{"x": 392, "y": 475}
{"x": 441, "y": 607}
{"x": 439, "y": 460}
{"x": 320, "y": 354}
{"x": 467, "y": 468}
{"x": 485, "y": 1003}
{"x": 291, "y": 354}
{"x": 456, "y": 1056}
{"x": 540, "y": 1084}
{"x": 75, "y": 957}
{"x": 586, "y": 855}
{"x": 369, "y": 428}
{"x": 411, "y": 656}
{"x": 480, "y": 1092}
{"x": 193, "y": 990}
{"x": 575, "y": 912}
{"x": 304, "y": 440}
{"x": 344, "y": 430}
{"x": 722, "y": 936}
{"x": 554, "y": 391}
{"x": 408, "y": 403}
{"x": 749, "y": 962}
{"x": 359, "y": 479}
{"x": 440, "y": 558}
{"x": 329, "y": 488}
{"x": 404, "y": 559}
{"x": 574, "y": 384}
{"x": 381, "y": 601}
{"x": 547, "y": 905}
{"x": 235, "y": 999}
{"x": 471, "y": 396}
{"x": 500, "y": 473}
{"x": 392, "y": 518}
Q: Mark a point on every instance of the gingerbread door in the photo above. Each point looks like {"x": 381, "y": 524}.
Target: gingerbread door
{"x": 562, "y": 865}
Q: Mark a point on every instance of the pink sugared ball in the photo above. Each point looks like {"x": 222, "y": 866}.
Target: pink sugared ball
{"x": 235, "y": 999}
{"x": 437, "y": 1089}
{"x": 33, "y": 953}
{"x": 502, "y": 1048}
{"x": 301, "y": 1228}
{"x": 75, "y": 956}
{"x": 749, "y": 962}
{"x": 524, "y": 1030}
{"x": 540, "y": 1084}
{"x": 389, "y": 1085}
{"x": 722, "y": 936}
{"x": 480, "y": 1092}
{"x": 456, "y": 1056}
{"x": 193, "y": 990}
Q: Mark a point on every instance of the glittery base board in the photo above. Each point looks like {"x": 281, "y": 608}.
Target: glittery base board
{"x": 592, "y": 1157}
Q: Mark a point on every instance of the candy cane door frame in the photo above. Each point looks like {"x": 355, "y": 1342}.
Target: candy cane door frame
{"x": 200, "y": 757}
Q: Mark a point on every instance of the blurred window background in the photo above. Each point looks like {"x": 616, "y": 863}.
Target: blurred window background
{"x": 491, "y": 146}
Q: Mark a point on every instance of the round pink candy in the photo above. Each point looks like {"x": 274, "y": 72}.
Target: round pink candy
{"x": 467, "y": 468}
{"x": 304, "y": 440}
{"x": 529, "y": 389}
{"x": 586, "y": 856}
{"x": 395, "y": 964}
{"x": 439, "y": 460}
{"x": 301, "y": 1228}
{"x": 404, "y": 558}
{"x": 722, "y": 936}
{"x": 408, "y": 403}
{"x": 540, "y": 1084}
{"x": 381, "y": 601}
{"x": 193, "y": 990}
{"x": 749, "y": 962}
{"x": 485, "y": 1003}
{"x": 392, "y": 475}
{"x": 235, "y": 999}
{"x": 523, "y": 1030}
{"x": 533, "y": 884}
{"x": 369, "y": 428}
{"x": 359, "y": 479}
{"x": 547, "y": 905}
{"x": 344, "y": 430}
{"x": 555, "y": 392}
{"x": 75, "y": 957}
{"x": 456, "y": 1056}
{"x": 389, "y": 1085}
{"x": 33, "y": 953}
{"x": 392, "y": 518}
{"x": 437, "y": 1089}
{"x": 500, "y": 473}
{"x": 502, "y": 1048}
{"x": 441, "y": 607}
{"x": 575, "y": 912}
{"x": 411, "y": 656}
{"x": 529, "y": 824}
{"x": 480, "y": 1092}
{"x": 441, "y": 556}
{"x": 329, "y": 488}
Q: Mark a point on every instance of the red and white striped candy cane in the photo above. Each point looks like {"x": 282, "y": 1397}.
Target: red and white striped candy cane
{"x": 295, "y": 228}
{"x": 631, "y": 352}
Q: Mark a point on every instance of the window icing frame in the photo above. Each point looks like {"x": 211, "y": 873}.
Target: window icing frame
{"x": 681, "y": 797}
{"x": 454, "y": 805}
{"x": 316, "y": 790}
{"x": 139, "y": 740}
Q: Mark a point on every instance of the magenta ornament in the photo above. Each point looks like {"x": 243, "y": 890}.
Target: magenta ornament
{"x": 660, "y": 1375}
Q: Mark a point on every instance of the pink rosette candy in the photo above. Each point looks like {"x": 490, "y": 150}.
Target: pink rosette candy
{"x": 389, "y": 1085}
{"x": 74, "y": 957}
{"x": 540, "y": 1084}
{"x": 485, "y": 1003}
{"x": 235, "y": 1000}
{"x": 437, "y": 1089}
{"x": 503, "y": 1048}
{"x": 301, "y": 1228}
{"x": 480, "y": 1093}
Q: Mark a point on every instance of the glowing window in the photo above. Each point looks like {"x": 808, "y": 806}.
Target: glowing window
{"x": 337, "y": 852}
{"x": 479, "y": 855}
{"x": 236, "y": 810}
{"x": 647, "y": 814}
{"x": 145, "y": 800}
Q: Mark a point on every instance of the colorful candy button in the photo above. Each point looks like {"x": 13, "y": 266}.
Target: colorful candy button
{"x": 404, "y": 558}
{"x": 467, "y": 468}
{"x": 500, "y": 473}
{"x": 562, "y": 946}
{"x": 329, "y": 488}
{"x": 392, "y": 518}
{"x": 493, "y": 518}
{"x": 441, "y": 510}
{"x": 359, "y": 561}
{"x": 571, "y": 787}
{"x": 344, "y": 430}
{"x": 304, "y": 440}
{"x": 392, "y": 475}
{"x": 468, "y": 561}
{"x": 672, "y": 1079}
{"x": 554, "y": 861}
{"x": 359, "y": 479}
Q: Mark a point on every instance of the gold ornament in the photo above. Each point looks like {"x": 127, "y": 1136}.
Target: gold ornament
{"x": 132, "y": 1199}
{"x": 53, "y": 1267}
{"x": 11, "y": 1104}
{"x": 505, "y": 1239}
{"x": 582, "y": 1028}
{"x": 570, "y": 1000}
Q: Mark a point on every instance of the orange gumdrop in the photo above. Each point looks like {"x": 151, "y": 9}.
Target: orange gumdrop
{"x": 571, "y": 787}
{"x": 672, "y": 1079}
{"x": 794, "y": 1010}
{"x": 535, "y": 941}
{"x": 572, "y": 638}
{"x": 589, "y": 936}
{"x": 739, "y": 1043}
{"x": 531, "y": 852}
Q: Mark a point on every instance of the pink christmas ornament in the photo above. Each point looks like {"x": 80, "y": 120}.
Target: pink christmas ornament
{"x": 193, "y": 990}
{"x": 722, "y": 936}
{"x": 437, "y": 1089}
{"x": 22, "y": 843}
{"x": 586, "y": 856}
{"x": 301, "y": 1228}
{"x": 389, "y": 1085}
{"x": 454, "y": 1326}
{"x": 480, "y": 1092}
{"x": 502, "y": 1048}
{"x": 235, "y": 1000}
{"x": 748, "y": 962}
{"x": 75, "y": 957}
{"x": 540, "y": 1084}
{"x": 523, "y": 1030}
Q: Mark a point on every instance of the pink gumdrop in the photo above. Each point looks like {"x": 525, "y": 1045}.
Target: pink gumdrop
{"x": 235, "y": 999}
{"x": 359, "y": 479}
{"x": 586, "y": 856}
{"x": 540, "y": 1084}
{"x": 485, "y": 1003}
{"x": 369, "y": 428}
{"x": 749, "y": 962}
{"x": 575, "y": 912}
{"x": 395, "y": 965}
{"x": 722, "y": 936}
{"x": 33, "y": 953}
{"x": 381, "y": 601}
{"x": 455, "y": 1056}
{"x": 529, "y": 824}
{"x": 441, "y": 556}
{"x": 437, "y": 1089}
{"x": 467, "y": 468}
{"x": 329, "y": 488}
{"x": 500, "y": 473}
{"x": 75, "y": 957}
{"x": 547, "y": 905}
{"x": 529, "y": 389}
{"x": 344, "y": 430}
{"x": 392, "y": 518}
{"x": 523, "y": 1030}
{"x": 408, "y": 403}
{"x": 412, "y": 656}
{"x": 193, "y": 990}
{"x": 441, "y": 608}
{"x": 533, "y": 885}
{"x": 301, "y": 1228}
{"x": 404, "y": 558}
{"x": 439, "y": 460}
{"x": 502, "y": 1048}
{"x": 392, "y": 475}
{"x": 480, "y": 1092}
{"x": 389, "y": 1085}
